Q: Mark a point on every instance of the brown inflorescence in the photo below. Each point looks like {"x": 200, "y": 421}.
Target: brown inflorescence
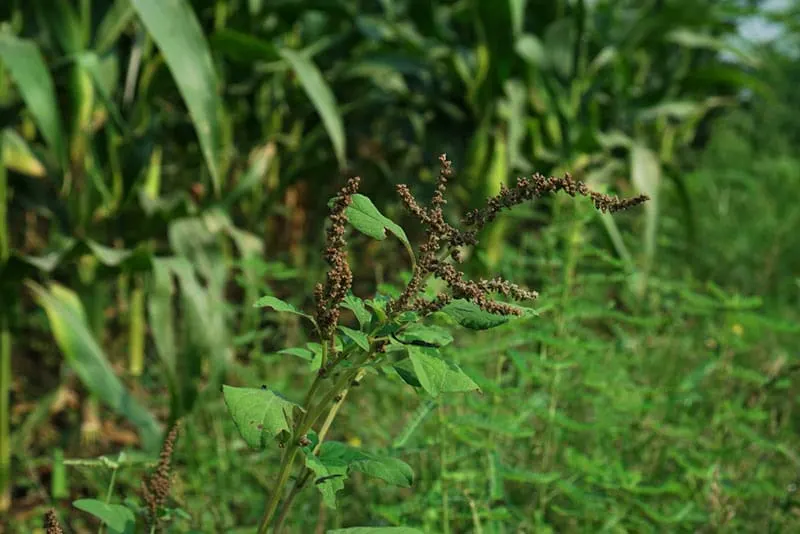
{"x": 441, "y": 235}
{"x": 51, "y": 524}
{"x": 536, "y": 187}
{"x": 156, "y": 485}
{"x": 339, "y": 279}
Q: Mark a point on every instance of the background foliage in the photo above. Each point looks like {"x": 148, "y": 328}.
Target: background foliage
{"x": 164, "y": 164}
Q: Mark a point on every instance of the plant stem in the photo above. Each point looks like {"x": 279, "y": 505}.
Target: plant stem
{"x": 275, "y": 495}
{"x": 304, "y": 476}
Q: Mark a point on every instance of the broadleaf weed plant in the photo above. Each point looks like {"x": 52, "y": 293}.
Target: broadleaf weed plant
{"x": 393, "y": 335}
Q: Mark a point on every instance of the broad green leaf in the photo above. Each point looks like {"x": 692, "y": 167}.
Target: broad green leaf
{"x": 391, "y": 470}
{"x": 85, "y": 356}
{"x": 405, "y": 369}
{"x": 359, "y": 309}
{"x": 321, "y": 95}
{"x": 359, "y": 338}
{"x": 259, "y": 413}
{"x": 365, "y": 217}
{"x": 174, "y": 27}
{"x": 375, "y": 530}
{"x": 116, "y": 517}
{"x": 470, "y": 315}
{"x": 29, "y": 71}
{"x": 279, "y": 306}
{"x": 329, "y": 478}
{"x": 430, "y": 334}
{"x": 437, "y": 375}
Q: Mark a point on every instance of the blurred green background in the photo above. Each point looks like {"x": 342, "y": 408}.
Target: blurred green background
{"x": 167, "y": 162}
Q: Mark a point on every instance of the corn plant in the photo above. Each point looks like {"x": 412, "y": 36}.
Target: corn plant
{"x": 393, "y": 334}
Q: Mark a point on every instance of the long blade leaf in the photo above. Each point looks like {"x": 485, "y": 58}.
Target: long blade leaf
{"x": 29, "y": 71}
{"x": 177, "y": 32}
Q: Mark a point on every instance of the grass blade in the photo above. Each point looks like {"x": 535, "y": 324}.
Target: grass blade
{"x": 29, "y": 71}
{"x": 71, "y": 330}
{"x": 177, "y": 32}
{"x": 322, "y": 97}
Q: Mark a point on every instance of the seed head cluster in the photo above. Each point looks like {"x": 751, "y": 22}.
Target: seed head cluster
{"x": 51, "y": 524}
{"x": 339, "y": 279}
{"x": 156, "y": 486}
{"x": 536, "y": 187}
{"x": 443, "y": 243}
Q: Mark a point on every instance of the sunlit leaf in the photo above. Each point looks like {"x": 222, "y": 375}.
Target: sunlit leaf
{"x": 436, "y": 374}
{"x": 118, "y": 518}
{"x": 259, "y": 413}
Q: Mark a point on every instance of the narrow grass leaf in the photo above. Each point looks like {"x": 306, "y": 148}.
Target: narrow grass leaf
{"x": 177, "y": 32}
{"x": 83, "y": 354}
{"x": 646, "y": 177}
{"x": 321, "y": 96}
{"x": 18, "y": 156}
{"x": 29, "y": 71}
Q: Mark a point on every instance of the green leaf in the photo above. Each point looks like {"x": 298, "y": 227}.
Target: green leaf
{"x": 365, "y": 217}
{"x": 375, "y": 530}
{"x": 84, "y": 355}
{"x": 429, "y": 334}
{"x": 359, "y": 338}
{"x": 279, "y": 306}
{"x": 437, "y": 375}
{"x": 114, "y": 22}
{"x": 116, "y": 517}
{"x": 321, "y": 95}
{"x": 329, "y": 480}
{"x": 259, "y": 413}
{"x": 179, "y": 36}
{"x": 470, "y": 315}
{"x": 243, "y": 47}
{"x": 405, "y": 369}
{"x": 108, "y": 256}
{"x": 646, "y": 177}
{"x": 27, "y": 68}
{"x": 18, "y": 156}
{"x": 300, "y": 352}
{"x": 359, "y": 309}
{"x": 386, "y": 468}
